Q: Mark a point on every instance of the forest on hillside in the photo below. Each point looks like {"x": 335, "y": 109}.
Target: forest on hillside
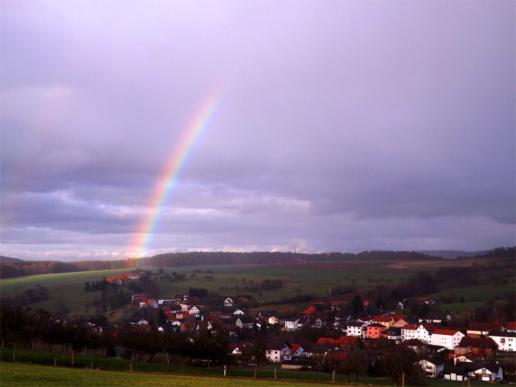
{"x": 16, "y": 268}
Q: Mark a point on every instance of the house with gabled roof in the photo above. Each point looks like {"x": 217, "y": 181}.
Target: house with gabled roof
{"x": 432, "y": 366}
{"x": 374, "y": 331}
{"x": 393, "y": 334}
{"x": 476, "y": 346}
{"x": 506, "y": 341}
{"x": 244, "y": 322}
{"x": 509, "y": 327}
{"x": 276, "y": 351}
{"x": 420, "y": 332}
{"x": 229, "y": 302}
{"x": 485, "y": 371}
{"x": 385, "y": 320}
{"x": 483, "y": 329}
{"x": 292, "y": 324}
{"x": 355, "y": 329}
{"x": 448, "y": 338}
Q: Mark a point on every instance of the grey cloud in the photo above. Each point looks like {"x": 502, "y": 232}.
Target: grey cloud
{"x": 342, "y": 125}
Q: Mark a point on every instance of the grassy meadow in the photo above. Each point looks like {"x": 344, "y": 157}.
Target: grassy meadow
{"x": 67, "y": 289}
{"x": 19, "y": 374}
{"x": 29, "y": 374}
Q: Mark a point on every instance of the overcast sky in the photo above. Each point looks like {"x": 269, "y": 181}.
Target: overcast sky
{"x": 343, "y": 125}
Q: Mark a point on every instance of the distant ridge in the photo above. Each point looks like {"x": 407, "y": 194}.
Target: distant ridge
{"x": 14, "y": 267}
{"x": 4, "y": 259}
{"x": 449, "y": 254}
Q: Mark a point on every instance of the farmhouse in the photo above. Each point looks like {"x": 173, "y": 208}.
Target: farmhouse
{"x": 122, "y": 278}
{"x": 484, "y": 371}
{"x": 292, "y": 324}
{"x": 374, "y": 331}
{"x": 420, "y": 332}
{"x": 476, "y": 346}
{"x": 385, "y": 320}
{"x": 482, "y": 329}
{"x": 229, "y": 302}
{"x": 448, "y": 338}
{"x": 393, "y": 334}
{"x": 506, "y": 341}
{"x": 273, "y": 352}
{"x": 432, "y": 367}
{"x": 354, "y": 329}
{"x": 510, "y": 326}
{"x": 244, "y": 322}
{"x": 488, "y": 372}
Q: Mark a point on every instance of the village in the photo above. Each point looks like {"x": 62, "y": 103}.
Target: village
{"x": 325, "y": 334}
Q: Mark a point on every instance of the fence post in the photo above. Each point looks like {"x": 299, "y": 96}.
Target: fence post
{"x": 225, "y": 370}
{"x": 275, "y": 373}
{"x": 333, "y": 376}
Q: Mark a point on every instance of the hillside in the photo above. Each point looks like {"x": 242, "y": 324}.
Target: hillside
{"x": 13, "y": 267}
{"x": 4, "y": 259}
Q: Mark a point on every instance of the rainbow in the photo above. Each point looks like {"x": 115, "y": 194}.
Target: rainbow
{"x": 170, "y": 173}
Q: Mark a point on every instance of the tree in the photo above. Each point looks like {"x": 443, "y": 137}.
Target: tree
{"x": 357, "y": 304}
{"x": 400, "y": 360}
{"x": 356, "y": 362}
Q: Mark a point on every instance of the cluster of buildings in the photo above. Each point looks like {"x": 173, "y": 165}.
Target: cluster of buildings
{"x": 123, "y": 278}
{"x": 446, "y": 350}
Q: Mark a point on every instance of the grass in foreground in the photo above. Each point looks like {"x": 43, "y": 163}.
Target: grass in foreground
{"x": 17, "y": 374}
{"x": 115, "y": 372}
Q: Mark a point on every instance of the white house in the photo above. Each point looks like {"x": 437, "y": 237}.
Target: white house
{"x": 489, "y": 373}
{"x": 297, "y": 350}
{"x": 273, "y": 320}
{"x": 393, "y": 334}
{"x": 273, "y": 352}
{"x": 448, "y": 338}
{"x": 292, "y": 324}
{"x": 431, "y": 368}
{"x": 511, "y": 326}
{"x": 286, "y": 353}
{"x": 238, "y": 312}
{"x": 236, "y": 349}
{"x": 413, "y": 331}
{"x": 194, "y": 310}
{"x": 244, "y": 322}
{"x": 506, "y": 341}
{"x": 228, "y": 302}
{"x": 355, "y": 329}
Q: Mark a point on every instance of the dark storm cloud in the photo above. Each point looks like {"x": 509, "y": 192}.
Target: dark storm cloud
{"x": 342, "y": 126}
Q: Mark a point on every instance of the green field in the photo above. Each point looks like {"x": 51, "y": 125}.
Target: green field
{"x": 19, "y": 374}
{"x": 234, "y": 279}
{"x": 67, "y": 289}
{"x": 24, "y": 374}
